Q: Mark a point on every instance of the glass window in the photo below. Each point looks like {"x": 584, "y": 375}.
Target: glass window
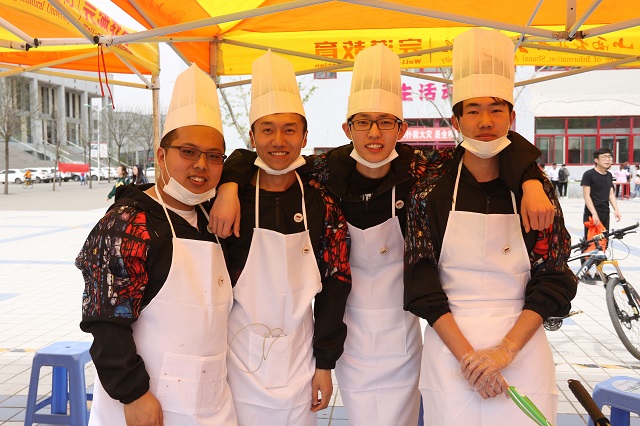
{"x": 575, "y": 149}
{"x": 549, "y": 125}
{"x": 558, "y": 150}
{"x": 325, "y": 75}
{"x": 622, "y": 145}
{"x": 636, "y": 127}
{"x": 614, "y": 125}
{"x": 588, "y": 148}
{"x": 582, "y": 125}
{"x": 636, "y": 149}
{"x": 542, "y": 142}
{"x": 607, "y": 142}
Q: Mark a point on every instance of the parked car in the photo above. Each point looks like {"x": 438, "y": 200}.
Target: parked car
{"x": 39, "y": 174}
{"x": 150, "y": 173}
{"x": 103, "y": 173}
{"x": 14, "y": 175}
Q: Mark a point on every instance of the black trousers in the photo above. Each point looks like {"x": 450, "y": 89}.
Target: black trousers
{"x": 562, "y": 188}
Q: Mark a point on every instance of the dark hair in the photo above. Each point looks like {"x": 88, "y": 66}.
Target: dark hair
{"x": 457, "y": 108}
{"x": 140, "y": 178}
{"x": 304, "y": 124}
{"x": 598, "y": 152}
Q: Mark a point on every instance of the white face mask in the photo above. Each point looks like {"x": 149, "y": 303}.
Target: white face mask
{"x": 392, "y": 156}
{"x": 182, "y": 194}
{"x": 484, "y": 149}
{"x": 300, "y": 161}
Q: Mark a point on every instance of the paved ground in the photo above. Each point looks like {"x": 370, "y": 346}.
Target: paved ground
{"x": 41, "y": 232}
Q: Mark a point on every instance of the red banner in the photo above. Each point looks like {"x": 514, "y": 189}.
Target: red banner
{"x": 73, "y": 167}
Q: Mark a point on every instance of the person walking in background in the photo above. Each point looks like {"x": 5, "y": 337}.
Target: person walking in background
{"x": 636, "y": 182}
{"x": 553, "y": 175}
{"x": 137, "y": 175}
{"x": 563, "y": 181}
{"x": 622, "y": 177}
{"x": 122, "y": 179}
{"x": 83, "y": 178}
{"x": 597, "y": 189}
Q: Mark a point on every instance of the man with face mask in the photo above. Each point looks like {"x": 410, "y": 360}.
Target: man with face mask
{"x": 292, "y": 252}
{"x": 157, "y": 292}
{"x": 378, "y": 372}
{"x": 483, "y": 283}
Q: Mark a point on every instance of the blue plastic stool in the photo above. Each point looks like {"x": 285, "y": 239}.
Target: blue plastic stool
{"x": 622, "y": 394}
{"x": 68, "y": 385}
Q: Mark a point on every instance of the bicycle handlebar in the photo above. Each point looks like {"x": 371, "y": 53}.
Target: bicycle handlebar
{"x": 587, "y": 402}
{"x": 617, "y": 233}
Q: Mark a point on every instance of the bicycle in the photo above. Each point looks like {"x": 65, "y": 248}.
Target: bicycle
{"x": 623, "y": 301}
{"x": 27, "y": 183}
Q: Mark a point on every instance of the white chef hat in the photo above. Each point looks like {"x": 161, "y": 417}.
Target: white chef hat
{"x": 483, "y": 65}
{"x": 274, "y": 88}
{"x": 376, "y": 85}
{"x": 194, "y": 102}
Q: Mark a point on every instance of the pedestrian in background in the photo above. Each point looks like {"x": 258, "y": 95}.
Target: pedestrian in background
{"x": 563, "y": 180}
{"x": 123, "y": 179}
{"x": 137, "y": 175}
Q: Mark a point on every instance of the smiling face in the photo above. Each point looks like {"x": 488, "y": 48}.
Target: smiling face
{"x": 197, "y": 176}
{"x": 484, "y": 119}
{"x": 374, "y": 145}
{"x": 279, "y": 138}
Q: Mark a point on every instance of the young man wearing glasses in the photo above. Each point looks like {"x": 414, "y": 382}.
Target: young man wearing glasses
{"x": 157, "y": 292}
{"x": 378, "y": 372}
{"x": 598, "y": 192}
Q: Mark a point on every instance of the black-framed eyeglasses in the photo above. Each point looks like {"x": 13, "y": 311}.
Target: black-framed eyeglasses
{"x": 190, "y": 153}
{"x": 382, "y": 123}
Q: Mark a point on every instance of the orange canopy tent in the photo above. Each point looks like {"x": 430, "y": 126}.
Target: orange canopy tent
{"x": 224, "y": 36}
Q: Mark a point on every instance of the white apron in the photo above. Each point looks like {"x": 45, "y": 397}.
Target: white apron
{"x": 378, "y": 372}
{"x": 182, "y": 337}
{"x": 271, "y": 361}
{"x": 484, "y": 269}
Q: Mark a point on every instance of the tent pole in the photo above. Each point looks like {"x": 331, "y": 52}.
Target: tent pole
{"x": 72, "y": 19}
{"x": 47, "y": 64}
{"x": 17, "y": 31}
{"x": 155, "y": 99}
{"x": 170, "y": 29}
{"x": 575, "y": 25}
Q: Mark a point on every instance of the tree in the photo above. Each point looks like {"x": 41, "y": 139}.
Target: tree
{"x": 122, "y": 128}
{"x": 145, "y": 135}
{"x": 10, "y": 119}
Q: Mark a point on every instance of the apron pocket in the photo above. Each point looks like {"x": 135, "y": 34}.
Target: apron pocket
{"x": 191, "y": 385}
{"x": 376, "y": 333}
{"x": 277, "y": 358}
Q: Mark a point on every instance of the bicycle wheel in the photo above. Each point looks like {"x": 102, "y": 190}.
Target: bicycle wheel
{"x": 623, "y": 304}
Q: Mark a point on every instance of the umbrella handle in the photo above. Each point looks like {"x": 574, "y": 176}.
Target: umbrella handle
{"x": 588, "y": 403}
{"x": 528, "y": 407}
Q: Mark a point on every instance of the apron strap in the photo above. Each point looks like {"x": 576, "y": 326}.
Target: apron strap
{"x": 455, "y": 188}
{"x": 393, "y": 201}
{"x": 173, "y": 232}
{"x": 304, "y": 209}
{"x": 207, "y": 216}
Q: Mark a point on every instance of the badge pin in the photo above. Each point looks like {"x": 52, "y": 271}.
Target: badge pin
{"x": 506, "y": 249}
{"x": 298, "y": 217}
{"x": 384, "y": 250}
{"x": 306, "y": 250}
{"x": 220, "y": 281}
{"x": 399, "y": 204}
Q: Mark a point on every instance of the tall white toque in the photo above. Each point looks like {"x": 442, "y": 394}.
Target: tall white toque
{"x": 483, "y": 65}
{"x": 376, "y": 85}
{"x": 194, "y": 102}
{"x": 274, "y": 88}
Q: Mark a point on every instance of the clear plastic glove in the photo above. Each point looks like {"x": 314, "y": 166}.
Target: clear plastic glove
{"x": 482, "y": 365}
{"x": 495, "y": 386}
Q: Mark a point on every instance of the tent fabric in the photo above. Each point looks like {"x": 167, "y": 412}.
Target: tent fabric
{"x": 41, "y": 20}
{"x": 337, "y": 30}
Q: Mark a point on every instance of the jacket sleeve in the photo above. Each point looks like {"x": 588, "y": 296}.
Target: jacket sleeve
{"x": 518, "y": 162}
{"x": 552, "y": 285}
{"x": 112, "y": 262}
{"x": 330, "y": 331}
{"x": 239, "y": 167}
